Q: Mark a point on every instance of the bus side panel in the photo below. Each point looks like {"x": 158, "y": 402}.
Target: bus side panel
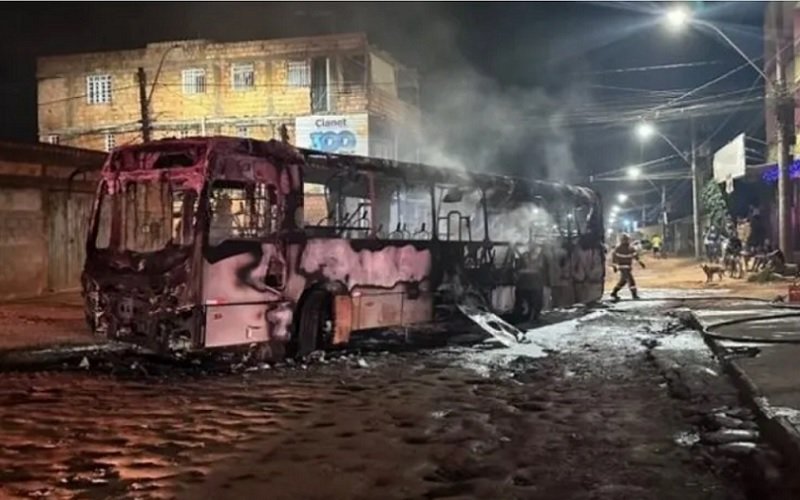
{"x": 389, "y": 282}
{"x": 383, "y": 265}
{"x": 240, "y": 307}
{"x": 375, "y": 308}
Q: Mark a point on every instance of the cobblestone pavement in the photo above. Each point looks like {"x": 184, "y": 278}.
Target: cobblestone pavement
{"x": 588, "y": 416}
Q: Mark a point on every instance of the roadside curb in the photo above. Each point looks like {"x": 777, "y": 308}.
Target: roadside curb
{"x": 53, "y": 356}
{"x": 776, "y": 429}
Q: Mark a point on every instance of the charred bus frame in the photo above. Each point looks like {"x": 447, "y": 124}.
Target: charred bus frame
{"x": 201, "y": 243}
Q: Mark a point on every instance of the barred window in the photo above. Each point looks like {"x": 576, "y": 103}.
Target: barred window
{"x": 242, "y": 131}
{"x": 184, "y": 133}
{"x": 194, "y": 81}
{"x": 52, "y": 139}
{"x": 98, "y": 89}
{"x": 243, "y": 76}
{"x": 299, "y": 74}
{"x": 111, "y": 142}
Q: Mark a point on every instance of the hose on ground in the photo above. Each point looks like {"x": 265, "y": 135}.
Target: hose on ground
{"x": 707, "y": 331}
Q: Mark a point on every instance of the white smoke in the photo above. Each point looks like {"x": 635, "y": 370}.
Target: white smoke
{"x": 472, "y": 122}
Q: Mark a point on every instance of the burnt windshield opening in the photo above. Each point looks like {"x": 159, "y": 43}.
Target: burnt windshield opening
{"x": 172, "y": 160}
{"x": 144, "y": 217}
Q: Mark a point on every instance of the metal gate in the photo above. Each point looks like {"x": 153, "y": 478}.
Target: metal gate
{"x": 68, "y": 220}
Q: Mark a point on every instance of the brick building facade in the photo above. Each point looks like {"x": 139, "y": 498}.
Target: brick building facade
{"x": 335, "y": 92}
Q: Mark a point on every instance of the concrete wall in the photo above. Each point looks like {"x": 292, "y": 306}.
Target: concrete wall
{"x": 31, "y": 177}
{"x": 220, "y": 110}
{"x": 23, "y": 245}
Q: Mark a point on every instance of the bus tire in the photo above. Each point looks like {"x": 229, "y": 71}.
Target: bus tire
{"x": 315, "y": 311}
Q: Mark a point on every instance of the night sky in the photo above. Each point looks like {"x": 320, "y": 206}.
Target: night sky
{"x": 537, "y": 85}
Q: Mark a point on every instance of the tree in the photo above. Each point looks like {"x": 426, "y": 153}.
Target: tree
{"x": 713, "y": 202}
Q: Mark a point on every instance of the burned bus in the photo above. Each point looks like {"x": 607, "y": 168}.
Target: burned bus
{"x": 204, "y": 243}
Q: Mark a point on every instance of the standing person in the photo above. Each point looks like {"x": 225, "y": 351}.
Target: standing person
{"x": 622, "y": 258}
{"x": 710, "y": 241}
{"x": 756, "y": 237}
{"x": 733, "y": 257}
{"x": 730, "y": 226}
{"x": 655, "y": 243}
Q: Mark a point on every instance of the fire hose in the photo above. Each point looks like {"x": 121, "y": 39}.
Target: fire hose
{"x": 708, "y": 330}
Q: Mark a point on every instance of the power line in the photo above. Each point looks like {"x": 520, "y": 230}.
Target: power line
{"x": 651, "y": 68}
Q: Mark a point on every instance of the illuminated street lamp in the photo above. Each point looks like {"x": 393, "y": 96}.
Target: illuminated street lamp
{"x": 622, "y": 197}
{"x": 614, "y": 209}
{"x": 645, "y": 130}
{"x": 677, "y": 17}
{"x": 634, "y": 172}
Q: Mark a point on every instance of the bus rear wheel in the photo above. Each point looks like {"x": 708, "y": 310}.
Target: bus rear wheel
{"x": 315, "y": 316}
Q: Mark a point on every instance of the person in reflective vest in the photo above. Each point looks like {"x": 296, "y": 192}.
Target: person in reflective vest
{"x": 622, "y": 259}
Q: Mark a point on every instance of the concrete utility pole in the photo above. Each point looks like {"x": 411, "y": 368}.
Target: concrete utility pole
{"x": 143, "y": 104}
{"x": 784, "y": 111}
{"x": 695, "y": 196}
{"x": 663, "y": 213}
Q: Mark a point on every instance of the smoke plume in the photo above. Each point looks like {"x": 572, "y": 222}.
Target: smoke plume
{"x": 472, "y": 121}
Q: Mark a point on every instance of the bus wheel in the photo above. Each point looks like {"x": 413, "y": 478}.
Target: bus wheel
{"x": 314, "y": 315}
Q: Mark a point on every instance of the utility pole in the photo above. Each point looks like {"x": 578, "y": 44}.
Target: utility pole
{"x": 695, "y": 195}
{"x": 663, "y": 213}
{"x": 143, "y": 104}
{"x": 784, "y": 105}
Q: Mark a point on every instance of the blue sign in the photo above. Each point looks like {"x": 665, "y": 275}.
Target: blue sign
{"x": 334, "y": 142}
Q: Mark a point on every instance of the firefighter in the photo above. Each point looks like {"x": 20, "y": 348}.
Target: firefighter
{"x": 622, "y": 258}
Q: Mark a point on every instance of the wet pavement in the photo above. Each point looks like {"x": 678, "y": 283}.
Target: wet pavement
{"x": 598, "y": 406}
{"x": 55, "y": 319}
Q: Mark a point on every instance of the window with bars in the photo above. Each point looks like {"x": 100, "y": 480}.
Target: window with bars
{"x": 194, "y": 81}
{"x": 111, "y": 142}
{"x": 51, "y": 139}
{"x": 243, "y": 76}
{"x": 184, "y": 133}
{"x": 98, "y": 89}
{"x": 299, "y": 73}
{"x": 242, "y": 131}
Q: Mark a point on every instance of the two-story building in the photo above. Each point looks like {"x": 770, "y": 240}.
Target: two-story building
{"x": 335, "y": 93}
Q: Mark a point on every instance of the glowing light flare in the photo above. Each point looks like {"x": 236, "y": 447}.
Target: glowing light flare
{"x": 645, "y": 130}
{"x": 678, "y": 17}
{"x": 634, "y": 172}
{"x": 622, "y": 197}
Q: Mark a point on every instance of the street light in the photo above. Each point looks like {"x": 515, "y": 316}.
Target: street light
{"x": 622, "y": 197}
{"x": 680, "y": 17}
{"x": 677, "y": 17}
{"x": 645, "y": 130}
{"x": 614, "y": 209}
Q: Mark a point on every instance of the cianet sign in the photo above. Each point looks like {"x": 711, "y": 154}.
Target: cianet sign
{"x": 340, "y": 134}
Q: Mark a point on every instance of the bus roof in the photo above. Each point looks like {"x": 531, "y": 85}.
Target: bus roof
{"x": 194, "y": 153}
